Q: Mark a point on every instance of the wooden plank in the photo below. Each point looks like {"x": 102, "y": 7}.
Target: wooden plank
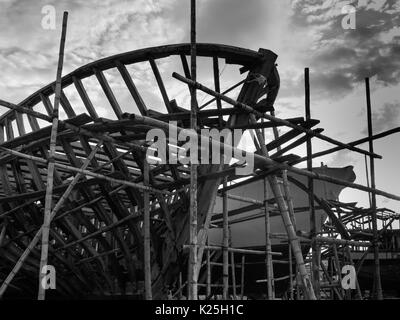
{"x": 185, "y": 66}
{"x": 67, "y": 105}
{"x": 132, "y": 88}
{"x": 20, "y": 123}
{"x": 108, "y": 92}
{"x": 161, "y": 86}
{"x": 85, "y": 98}
{"x": 47, "y": 103}
{"x": 9, "y": 129}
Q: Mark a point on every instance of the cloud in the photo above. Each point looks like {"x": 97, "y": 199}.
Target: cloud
{"x": 340, "y": 58}
{"x": 342, "y": 158}
{"x": 386, "y": 118}
{"x": 96, "y": 29}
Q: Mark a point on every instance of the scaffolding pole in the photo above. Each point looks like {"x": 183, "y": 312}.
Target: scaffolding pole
{"x": 146, "y": 226}
{"x": 50, "y": 167}
{"x": 310, "y": 181}
{"x": 192, "y": 273}
{"x": 225, "y": 244}
{"x": 377, "y": 275}
{"x": 268, "y": 246}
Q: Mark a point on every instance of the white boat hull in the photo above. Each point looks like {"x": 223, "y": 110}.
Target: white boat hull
{"x": 248, "y": 228}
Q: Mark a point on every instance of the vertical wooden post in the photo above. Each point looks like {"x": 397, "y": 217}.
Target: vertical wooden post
{"x": 377, "y": 273}
{"x": 298, "y": 296}
{"x": 268, "y": 245}
{"x": 146, "y": 226}
{"x": 338, "y": 268}
{"x": 313, "y": 225}
{"x": 208, "y": 273}
{"x": 192, "y": 279}
{"x": 50, "y": 168}
{"x": 242, "y": 277}
{"x": 233, "y": 270}
{"x": 291, "y": 272}
{"x": 225, "y": 240}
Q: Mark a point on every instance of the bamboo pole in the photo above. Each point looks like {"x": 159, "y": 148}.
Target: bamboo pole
{"x": 146, "y": 226}
{"x": 50, "y": 168}
{"x": 233, "y": 275}
{"x": 244, "y": 199}
{"x": 37, "y": 236}
{"x": 338, "y": 269}
{"x": 192, "y": 273}
{"x": 290, "y": 272}
{"x": 313, "y": 223}
{"x": 288, "y": 196}
{"x": 269, "y": 117}
{"x": 377, "y": 274}
{"x": 328, "y": 240}
{"x": 236, "y": 250}
{"x": 268, "y": 245}
{"x": 259, "y": 158}
{"x": 225, "y": 244}
{"x": 208, "y": 273}
{"x": 242, "y": 277}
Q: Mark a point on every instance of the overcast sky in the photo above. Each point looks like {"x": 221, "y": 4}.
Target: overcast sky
{"x": 303, "y": 33}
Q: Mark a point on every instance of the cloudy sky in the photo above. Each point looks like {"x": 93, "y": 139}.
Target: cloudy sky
{"x": 304, "y": 33}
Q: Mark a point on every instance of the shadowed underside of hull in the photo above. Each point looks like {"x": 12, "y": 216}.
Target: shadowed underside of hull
{"x": 96, "y": 241}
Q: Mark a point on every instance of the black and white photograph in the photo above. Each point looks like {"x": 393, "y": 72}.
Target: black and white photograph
{"x": 217, "y": 152}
